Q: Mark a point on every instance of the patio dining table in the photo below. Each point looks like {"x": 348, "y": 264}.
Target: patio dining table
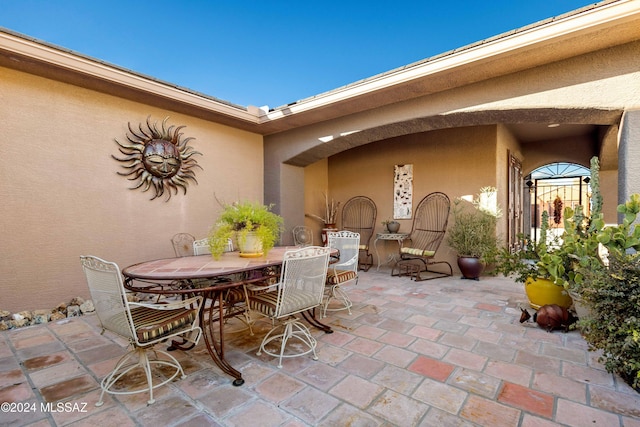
{"x": 184, "y": 276}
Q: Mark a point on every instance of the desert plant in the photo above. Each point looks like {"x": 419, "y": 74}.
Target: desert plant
{"x": 473, "y": 231}
{"x": 614, "y": 324}
{"x": 238, "y": 219}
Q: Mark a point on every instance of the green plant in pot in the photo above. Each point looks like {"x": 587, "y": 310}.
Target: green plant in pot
{"x": 578, "y": 251}
{"x": 525, "y": 266}
{"x": 552, "y": 270}
{"x": 472, "y": 233}
{"x": 248, "y": 223}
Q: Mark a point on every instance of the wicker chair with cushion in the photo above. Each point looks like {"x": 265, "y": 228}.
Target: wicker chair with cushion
{"x": 418, "y": 251}
{"x": 342, "y": 272}
{"x": 301, "y": 288}
{"x": 359, "y": 215}
{"x": 144, "y": 325}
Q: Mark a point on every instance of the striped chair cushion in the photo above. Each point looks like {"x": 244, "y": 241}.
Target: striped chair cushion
{"x": 265, "y": 303}
{"x": 153, "y": 324}
{"x": 234, "y": 296}
{"x": 418, "y": 252}
{"x": 335, "y": 277}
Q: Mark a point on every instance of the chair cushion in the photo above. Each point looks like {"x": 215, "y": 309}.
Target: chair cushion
{"x": 234, "y": 296}
{"x": 265, "y": 303}
{"x": 335, "y": 277}
{"x": 363, "y": 247}
{"x": 153, "y": 324}
{"x": 416, "y": 251}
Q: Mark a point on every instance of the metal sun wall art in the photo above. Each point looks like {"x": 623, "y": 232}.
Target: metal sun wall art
{"x": 402, "y": 191}
{"x": 158, "y": 158}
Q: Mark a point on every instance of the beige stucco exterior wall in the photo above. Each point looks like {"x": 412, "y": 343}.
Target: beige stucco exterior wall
{"x": 62, "y": 197}
{"x": 456, "y": 162}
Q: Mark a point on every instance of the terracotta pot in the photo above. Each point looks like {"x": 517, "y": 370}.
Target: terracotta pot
{"x": 470, "y": 267}
{"x": 543, "y": 291}
{"x": 327, "y": 227}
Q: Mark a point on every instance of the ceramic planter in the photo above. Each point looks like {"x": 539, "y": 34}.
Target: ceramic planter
{"x": 470, "y": 267}
{"x": 583, "y": 311}
{"x": 393, "y": 226}
{"x": 249, "y": 245}
{"x": 543, "y": 291}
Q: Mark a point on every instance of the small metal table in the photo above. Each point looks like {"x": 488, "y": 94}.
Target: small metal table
{"x": 398, "y": 237}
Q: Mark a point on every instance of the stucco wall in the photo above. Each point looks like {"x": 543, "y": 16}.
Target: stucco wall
{"x": 62, "y": 198}
{"x": 456, "y": 162}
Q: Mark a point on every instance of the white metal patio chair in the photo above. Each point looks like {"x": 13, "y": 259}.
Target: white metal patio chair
{"x": 144, "y": 325}
{"x": 344, "y": 271}
{"x": 301, "y": 288}
{"x": 201, "y": 247}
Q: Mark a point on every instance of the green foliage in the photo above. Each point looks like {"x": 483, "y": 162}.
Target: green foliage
{"x": 614, "y": 326}
{"x": 525, "y": 262}
{"x": 563, "y": 260}
{"x": 619, "y": 239}
{"x": 473, "y": 231}
{"x": 240, "y": 218}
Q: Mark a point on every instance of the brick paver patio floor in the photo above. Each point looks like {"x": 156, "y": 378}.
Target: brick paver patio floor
{"x": 445, "y": 352}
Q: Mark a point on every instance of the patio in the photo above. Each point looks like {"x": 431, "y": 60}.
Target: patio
{"x": 445, "y": 352}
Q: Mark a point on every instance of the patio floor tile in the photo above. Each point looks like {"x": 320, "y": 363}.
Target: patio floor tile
{"x": 443, "y": 352}
{"x": 529, "y": 400}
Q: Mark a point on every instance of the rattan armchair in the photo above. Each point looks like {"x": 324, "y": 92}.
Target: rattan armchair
{"x": 359, "y": 215}
{"x": 418, "y": 251}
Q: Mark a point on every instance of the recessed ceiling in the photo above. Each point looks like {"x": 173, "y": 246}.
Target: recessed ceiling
{"x": 532, "y": 132}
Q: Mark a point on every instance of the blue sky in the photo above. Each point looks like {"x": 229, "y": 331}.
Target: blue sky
{"x": 268, "y": 52}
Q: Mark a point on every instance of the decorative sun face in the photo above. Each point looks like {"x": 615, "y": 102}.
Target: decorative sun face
{"x": 158, "y": 158}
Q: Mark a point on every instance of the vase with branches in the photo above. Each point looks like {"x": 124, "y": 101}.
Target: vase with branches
{"x": 330, "y": 214}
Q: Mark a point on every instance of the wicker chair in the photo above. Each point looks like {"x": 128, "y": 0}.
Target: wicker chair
{"x": 183, "y": 244}
{"x": 418, "y": 251}
{"x": 144, "y": 325}
{"x": 359, "y": 215}
{"x": 342, "y": 272}
{"x": 301, "y": 288}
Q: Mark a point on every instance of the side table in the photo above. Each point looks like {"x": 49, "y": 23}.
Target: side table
{"x": 397, "y": 237}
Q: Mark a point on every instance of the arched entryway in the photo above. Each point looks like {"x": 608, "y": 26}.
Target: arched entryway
{"x": 553, "y": 187}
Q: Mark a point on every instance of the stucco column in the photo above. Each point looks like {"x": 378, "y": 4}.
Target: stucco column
{"x": 284, "y": 187}
{"x": 629, "y": 156}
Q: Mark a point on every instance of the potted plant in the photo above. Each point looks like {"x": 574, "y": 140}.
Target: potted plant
{"x": 473, "y": 232}
{"x": 578, "y": 251}
{"x": 254, "y": 227}
{"x": 525, "y": 266}
{"x": 392, "y": 225}
{"x": 553, "y": 271}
